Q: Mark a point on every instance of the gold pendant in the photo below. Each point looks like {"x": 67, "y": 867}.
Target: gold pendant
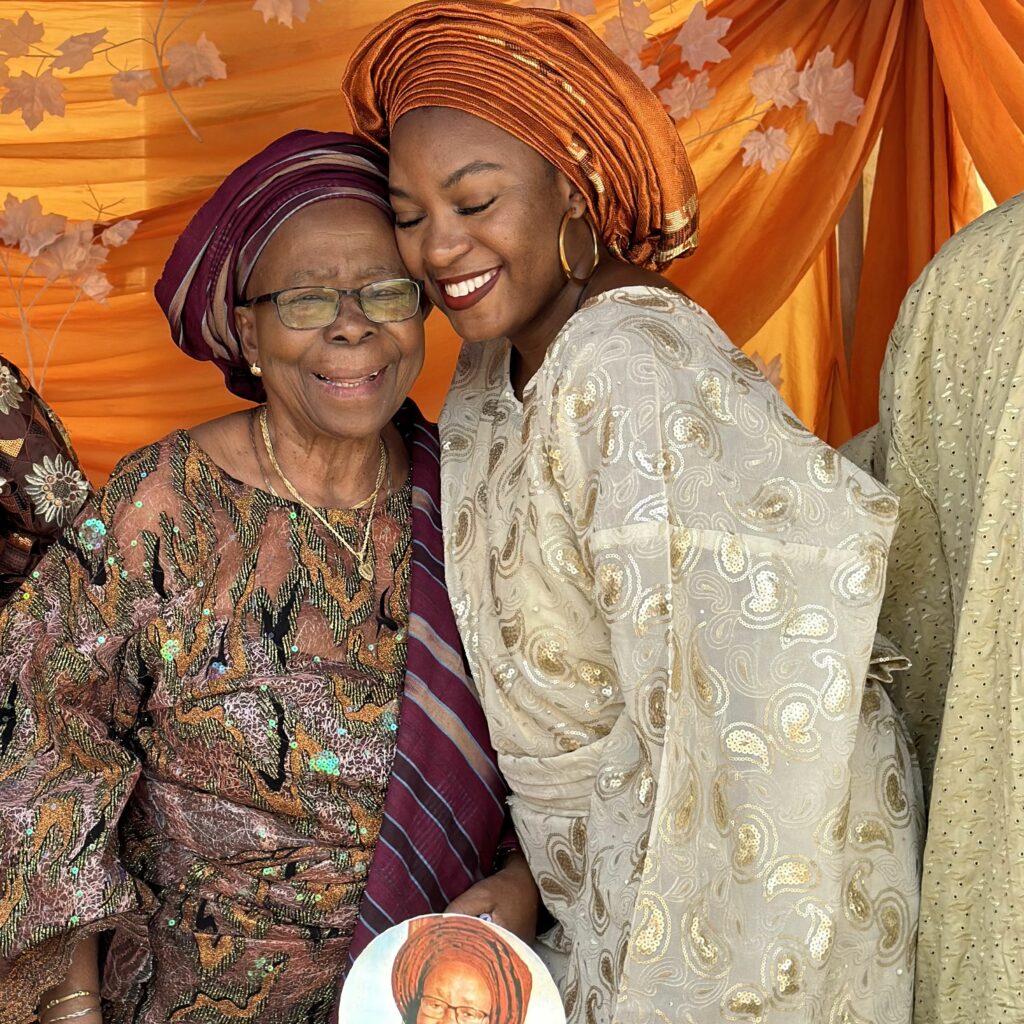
{"x": 365, "y": 570}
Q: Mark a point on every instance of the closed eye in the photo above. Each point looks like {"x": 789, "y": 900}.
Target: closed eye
{"x": 468, "y": 211}
{"x": 411, "y": 223}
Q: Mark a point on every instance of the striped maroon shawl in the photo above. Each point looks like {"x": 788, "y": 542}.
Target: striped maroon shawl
{"x": 444, "y": 814}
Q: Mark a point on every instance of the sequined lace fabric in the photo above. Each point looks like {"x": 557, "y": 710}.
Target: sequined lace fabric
{"x": 201, "y": 707}
{"x": 668, "y": 593}
{"x": 949, "y": 445}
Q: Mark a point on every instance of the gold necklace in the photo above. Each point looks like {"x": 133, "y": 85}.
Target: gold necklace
{"x": 365, "y": 570}
{"x": 268, "y": 486}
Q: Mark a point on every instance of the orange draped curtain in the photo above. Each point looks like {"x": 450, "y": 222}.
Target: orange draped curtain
{"x": 943, "y": 91}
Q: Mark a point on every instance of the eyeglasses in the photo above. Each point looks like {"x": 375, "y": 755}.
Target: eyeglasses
{"x": 433, "y": 1008}
{"x": 382, "y": 302}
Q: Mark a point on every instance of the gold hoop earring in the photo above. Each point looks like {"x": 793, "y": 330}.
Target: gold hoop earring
{"x": 566, "y": 269}
{"x": 256, "y": 370}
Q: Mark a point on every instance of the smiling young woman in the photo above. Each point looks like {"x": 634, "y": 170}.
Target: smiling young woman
{"x": 668, "y": 589}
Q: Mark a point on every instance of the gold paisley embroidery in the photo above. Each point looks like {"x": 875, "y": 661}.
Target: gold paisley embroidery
{"x": 858, "y": 906}
{"x": 709, "y": 686}
{"x": 703, "y": 949}
{"x": 822, "y": 931}
{"x": 871, "y": 832}
{"x": 653, "y": 608}
{"x": 731, "y": 556}
{"x": 811, "y": 624}
{"x": 790, "y": 875}
{"x": 765, "y": 604}
{"x": 714, "y": 394}
{"x": 745, "y": 1004}
{"x": 719, "y": 803}
{"x": 824, "y": 468}
{"x": 746, "y": 743}
{"x": 787, "y": 975}
{"x": 654, "y": 930}
{"x": 838, "y": 689}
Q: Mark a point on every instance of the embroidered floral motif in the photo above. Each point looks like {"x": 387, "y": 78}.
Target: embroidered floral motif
{"x": 11, "y": 391}
{"x": 57, "y": 489}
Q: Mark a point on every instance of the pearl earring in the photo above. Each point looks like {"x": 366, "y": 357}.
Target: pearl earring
{"x": 256, "y": 370}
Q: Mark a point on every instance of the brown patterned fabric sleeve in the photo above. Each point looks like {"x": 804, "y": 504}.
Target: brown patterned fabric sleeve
{"x": 65, "y": 771}
{"x": 42, "y": 486}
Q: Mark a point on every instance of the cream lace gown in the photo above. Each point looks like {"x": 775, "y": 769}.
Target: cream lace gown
{"x": 668, "y": 592}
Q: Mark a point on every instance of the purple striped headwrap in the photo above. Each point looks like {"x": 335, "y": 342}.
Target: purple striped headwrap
{"x": 212, "y": 260}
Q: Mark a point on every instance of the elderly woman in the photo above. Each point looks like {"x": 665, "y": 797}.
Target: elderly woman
{"x": 456, "y": 968}
{"x": 41, "y": 485}
{"x": 667, "y": 587}
{"x": 240, "y": 739}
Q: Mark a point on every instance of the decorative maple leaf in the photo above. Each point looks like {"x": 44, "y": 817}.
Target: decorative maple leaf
{"x": 24, "y": 224}
{"x": 621, "y": 41}
{"x": 74, "y": 255}
{"x": 581, "y": 8}
{"x": 77, "y": 51}
{"x": 769, "y": 148}
{"x": 828, "y": 92}
{"x": 685, "y": 95}
{"x": 650, "y": 75}
{"x": 635, "y": 16}
{"x": 282, "y": 10}
{"x": 34, "y": 96}
{"x": 96, "y": 286}
{"x": 129, "y": 85}
{"x": 772, "y": 372}
{"x": 119, "y": 233}
{"x": 194, "y": 63}
{"x": 776, "y": 82}
{"x": 698, "y": 38}
{"x": 16, "y": 38}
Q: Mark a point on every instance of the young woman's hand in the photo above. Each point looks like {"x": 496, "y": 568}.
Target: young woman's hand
{"x": 510, "y": 897}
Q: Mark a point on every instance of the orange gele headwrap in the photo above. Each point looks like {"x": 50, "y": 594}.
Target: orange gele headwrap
{"x": 468, "y": 941}
{"x": 547, "y": 79}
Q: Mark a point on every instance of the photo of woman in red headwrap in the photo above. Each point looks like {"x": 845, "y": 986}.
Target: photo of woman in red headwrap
{"x": 457, "y": 967}
{"x": 668, "y": 589}
{"x": 452, "y": 969}
{"x": 238, "y": 739}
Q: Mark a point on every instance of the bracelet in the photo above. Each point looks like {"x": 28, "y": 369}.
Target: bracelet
{"x": 63, "y": 999}
{"x": 77, "y": 1013}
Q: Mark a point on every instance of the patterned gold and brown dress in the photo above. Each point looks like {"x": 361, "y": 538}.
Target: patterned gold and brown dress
{"x": 200, "y": 706}
{"x": 668, "y": 590}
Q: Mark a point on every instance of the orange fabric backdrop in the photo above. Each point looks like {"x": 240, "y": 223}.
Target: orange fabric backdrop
{"x": 766, "y": 267}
